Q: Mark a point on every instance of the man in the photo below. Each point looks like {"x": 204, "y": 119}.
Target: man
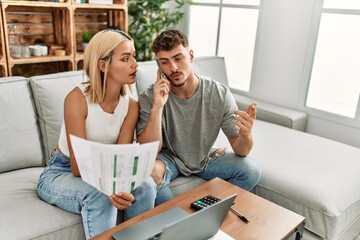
{"x": 185, "y": 112}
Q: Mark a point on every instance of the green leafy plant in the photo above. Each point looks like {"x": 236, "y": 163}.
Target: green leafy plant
{"x": 149, "y": 18}
{"x": 86, "y": 36}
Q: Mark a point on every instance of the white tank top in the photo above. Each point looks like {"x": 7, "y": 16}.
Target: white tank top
{"x": 101, "y": 126}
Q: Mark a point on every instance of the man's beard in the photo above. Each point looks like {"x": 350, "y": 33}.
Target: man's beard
{"x": 176, "y": 83}
{"x": 179, "y": 84}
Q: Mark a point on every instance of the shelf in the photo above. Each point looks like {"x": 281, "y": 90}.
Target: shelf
{"x": 44, "y": 59}
{"x": 79, "y": 64}
{"x": 3, "y": 70}
{"x": 45, "y": 25}
{"x": 62, "y": 3}
{"x": 39, "y": 25}
{"x": 94, "y": 20}
{"x": 32, "y": 69}
{"x": 36, "y": 3}
{"x": 2, "y": 42}
{"x": 114, "y": 2}
{"x": 54, "y": 24}
{"x": 98, "y": 6}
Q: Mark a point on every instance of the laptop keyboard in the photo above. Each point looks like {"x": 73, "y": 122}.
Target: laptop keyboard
{"x": 155, "y": 237}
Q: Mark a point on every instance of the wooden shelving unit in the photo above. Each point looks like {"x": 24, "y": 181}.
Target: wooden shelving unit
{"x": 54, "y": 24}
{"x": 3, "y": 59}
{"x": 93, "y": 18}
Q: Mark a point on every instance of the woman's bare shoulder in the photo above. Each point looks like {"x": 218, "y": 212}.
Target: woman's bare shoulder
{"x": 75, "y": 99}
{"x": 75, "y": 95}
{"x": 133, "y": 104}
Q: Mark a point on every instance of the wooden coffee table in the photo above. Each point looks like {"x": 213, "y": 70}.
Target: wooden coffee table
{"x": 267, "y": 220}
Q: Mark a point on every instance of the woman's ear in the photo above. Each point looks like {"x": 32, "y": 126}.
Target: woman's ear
{"x": 101, "y": 65}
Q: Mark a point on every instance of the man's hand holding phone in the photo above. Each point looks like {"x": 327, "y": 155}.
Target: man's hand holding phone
{"x": 161, "y": 90}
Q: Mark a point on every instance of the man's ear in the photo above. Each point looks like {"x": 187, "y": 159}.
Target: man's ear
{"x": 101, "y": 65}
{"x": 191, "y": 54}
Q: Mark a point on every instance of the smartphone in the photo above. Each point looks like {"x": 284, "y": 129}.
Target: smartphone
{"x": 162, "y": 74}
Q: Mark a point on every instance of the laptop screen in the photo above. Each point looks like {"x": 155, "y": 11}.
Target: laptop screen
{"x": 177, "y": 224}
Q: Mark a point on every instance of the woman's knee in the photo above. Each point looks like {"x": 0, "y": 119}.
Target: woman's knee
{"x": 146, "y": 190}
{"x": 145, "y": 195}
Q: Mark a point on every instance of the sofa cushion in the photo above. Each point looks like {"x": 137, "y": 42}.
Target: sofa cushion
{"x": 49, "y": 93}
{"x": 22, "y": 210}
{"x": 316, "y": 177}
{"x": 273, "y": 113}
{"x": 309, "y": 175}
{"x": 213, "y": 67}
{"x": 145, "y": 75}
{"x": 20, "y": 145}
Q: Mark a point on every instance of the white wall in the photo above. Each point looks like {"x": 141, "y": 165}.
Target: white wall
{"x": 286, "y": 27}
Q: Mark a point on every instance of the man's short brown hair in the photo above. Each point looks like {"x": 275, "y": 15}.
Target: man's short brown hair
{"x": 168, "y": 40}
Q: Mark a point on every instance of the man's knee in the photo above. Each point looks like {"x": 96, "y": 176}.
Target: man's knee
{"x": 158, "y": 171}
{"x": 247, "y": 173}
{"x": 253, "y": 174}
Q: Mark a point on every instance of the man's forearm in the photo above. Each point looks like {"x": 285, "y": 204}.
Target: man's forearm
{"x": 243, "y": 145}
{"x": 152, "y": 131}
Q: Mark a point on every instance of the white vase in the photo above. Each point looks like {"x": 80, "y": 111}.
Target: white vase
{"x": 84, "y": 45}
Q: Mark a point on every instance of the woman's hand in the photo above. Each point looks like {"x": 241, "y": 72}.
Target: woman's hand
{"x": 121, "y": 200}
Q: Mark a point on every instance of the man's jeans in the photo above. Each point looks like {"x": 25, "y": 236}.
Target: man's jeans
{"x": 58, "y": 186}
{"x": 240, "y": 171}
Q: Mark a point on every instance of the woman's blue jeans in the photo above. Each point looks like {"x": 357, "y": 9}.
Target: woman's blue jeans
{"x": 58, "y": 186}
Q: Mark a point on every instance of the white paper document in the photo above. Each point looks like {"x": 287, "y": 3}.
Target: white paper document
{"x": 221, "y": 235}
{"x": 113, "y": 168}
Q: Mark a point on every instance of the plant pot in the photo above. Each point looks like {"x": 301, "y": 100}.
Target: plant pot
{"x": 84, "y": 45}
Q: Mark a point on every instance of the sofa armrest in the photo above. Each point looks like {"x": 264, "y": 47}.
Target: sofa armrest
{"x": 273, "y": 113}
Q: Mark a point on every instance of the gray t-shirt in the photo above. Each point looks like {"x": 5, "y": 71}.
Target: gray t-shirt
{"x": 191, "y": 126}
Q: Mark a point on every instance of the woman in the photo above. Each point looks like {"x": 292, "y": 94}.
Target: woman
{"x": 100, "y": 111}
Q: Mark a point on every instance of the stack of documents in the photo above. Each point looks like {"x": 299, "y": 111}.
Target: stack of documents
{"x": 114, "y": 168}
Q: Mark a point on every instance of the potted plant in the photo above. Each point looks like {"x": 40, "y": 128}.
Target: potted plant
{"x": 86, "y": 36}
{"x": 149, "y": 18}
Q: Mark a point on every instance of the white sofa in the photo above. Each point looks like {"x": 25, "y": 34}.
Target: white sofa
{"x": 315, "y": 177}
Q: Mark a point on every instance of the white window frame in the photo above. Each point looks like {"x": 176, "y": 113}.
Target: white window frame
{"x": 353, "y": 122}
{"x": 222, "y": 5}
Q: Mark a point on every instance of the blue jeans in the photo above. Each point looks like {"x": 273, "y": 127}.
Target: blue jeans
{"x": 240, "y": 171}
{"x": 58, "y": 186}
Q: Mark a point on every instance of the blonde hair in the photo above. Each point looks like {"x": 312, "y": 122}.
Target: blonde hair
{"x": 101, "y": 47}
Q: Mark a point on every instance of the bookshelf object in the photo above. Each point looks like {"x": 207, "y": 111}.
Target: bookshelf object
{"x": 55, "y": 28}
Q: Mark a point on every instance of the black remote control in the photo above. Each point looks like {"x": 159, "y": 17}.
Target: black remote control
{"x": 204, "y": 202}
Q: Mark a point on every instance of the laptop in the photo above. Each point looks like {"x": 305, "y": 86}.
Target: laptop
{"x": 177, "y": 224}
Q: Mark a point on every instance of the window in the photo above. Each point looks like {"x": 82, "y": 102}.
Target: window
{"x": 334, "y": 86}
{"x": 226, "y": 28}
